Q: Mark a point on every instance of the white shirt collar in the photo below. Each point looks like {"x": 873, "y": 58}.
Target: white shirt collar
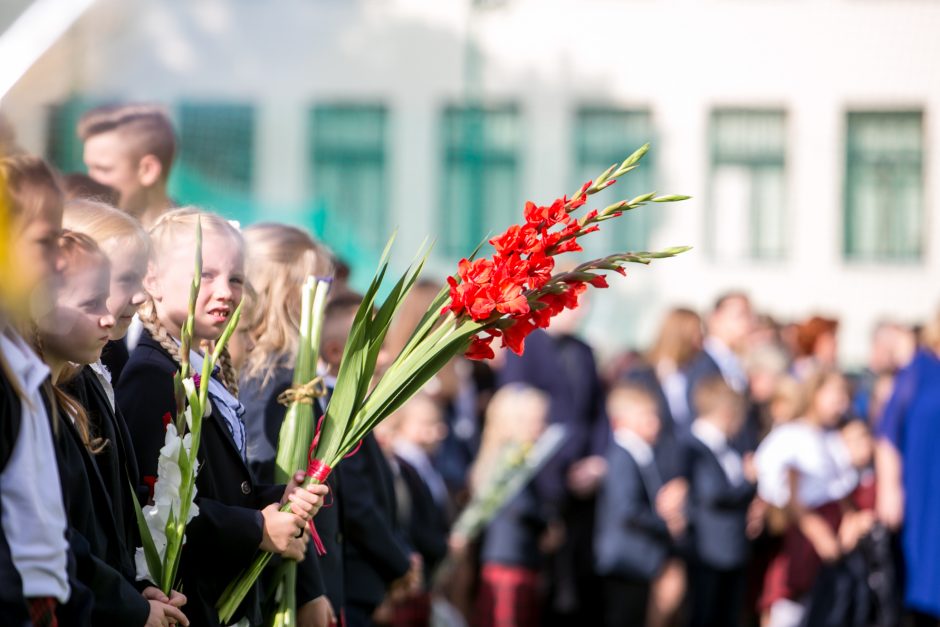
{"x": 24, "y": 363}
{"x": 641, "y": 452}
{"x": 710, "y": 435}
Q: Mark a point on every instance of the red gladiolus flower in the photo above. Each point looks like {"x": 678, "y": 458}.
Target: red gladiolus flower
{"x": 511, "y": 299}
{"x": 599, "y": 281}
{"x": 517, "y": 239}
{"x": 514, "y": 336}
{"x": 480, "y": 349}
{"x": 478, "y": 271}
{"x": 167, "y": 419}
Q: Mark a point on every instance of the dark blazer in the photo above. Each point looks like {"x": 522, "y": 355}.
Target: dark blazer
{"x": 224, "y": 538}
{"x": 424, "y": 522}
{"x": 94, "y": 538}
{"x": 317, "y": 574}
{"x": 631, "y": 541}
{"x": 375, "y": 551}
{"x": 12, "y": 605}
{"x": 512, "y": 537}
{"x": 717, "y": 510}
{"x": 701, "y": 368}
{"x": 117, "y": 465}
{"x": 115, "y": 356}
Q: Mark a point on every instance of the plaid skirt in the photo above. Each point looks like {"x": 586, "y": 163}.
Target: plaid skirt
{"x": 509, "y": 597}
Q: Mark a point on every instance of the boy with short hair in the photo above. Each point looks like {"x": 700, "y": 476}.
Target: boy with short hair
{"x": 131, "y": 149}
{"x": 721, "y": 489}
{"x": 634, "y": 527}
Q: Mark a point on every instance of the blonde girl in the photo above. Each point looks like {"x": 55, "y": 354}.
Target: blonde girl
{"x": 280, "y": 258}
{"x": 236, "y": 515}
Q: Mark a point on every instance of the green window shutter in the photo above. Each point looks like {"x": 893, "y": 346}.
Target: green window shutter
{"x": 602, "y": 137}
{"x": 481, "y": 174}
{"x": 347, "y": 149}
{"x": 747, "y": 184}
{"x": 215, "y": 163}
{"x": 63, "y": 148}
{"x": 884, "y": 186}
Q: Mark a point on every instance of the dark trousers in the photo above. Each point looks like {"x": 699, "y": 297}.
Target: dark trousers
{"x": 358, "y": 615}
{"x": 717, "y": 596}
{"x": 625, "y": 602}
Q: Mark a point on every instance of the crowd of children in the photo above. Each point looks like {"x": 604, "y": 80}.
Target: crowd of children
{"x": 724, "y": 477}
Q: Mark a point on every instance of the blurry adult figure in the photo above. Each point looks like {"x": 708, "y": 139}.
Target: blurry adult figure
{"x": 131, "y": 148}
{"x": 817, "y": 346}
{"x": 892, "y": 347}
{"x": 907, "y": 469}
{"x": 728, "y": 328}
{"x": 766, "y": 366}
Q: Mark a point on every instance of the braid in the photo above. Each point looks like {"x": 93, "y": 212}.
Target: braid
{"x": 148, "y": 316}
{"x": 227, "y": 370}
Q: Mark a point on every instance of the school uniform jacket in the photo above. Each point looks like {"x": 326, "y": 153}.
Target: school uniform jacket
{"x": 631, "y": 540}
{"x": 224, "y": 538}
{"x": 718, "y": 510}
{"x": 94, "y": 538}
{"x": 375, "y": 552}
{"x": 425, "y": 522}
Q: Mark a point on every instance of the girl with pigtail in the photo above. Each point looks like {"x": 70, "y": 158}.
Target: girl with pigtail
{"x": 236, "y": 516}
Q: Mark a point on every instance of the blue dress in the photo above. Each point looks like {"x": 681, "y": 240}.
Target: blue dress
{"x": 911, "y": 422}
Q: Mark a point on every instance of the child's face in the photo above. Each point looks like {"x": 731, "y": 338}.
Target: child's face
{"x": 128, "y": 267}
{"x": 421, "y": 424}
{"x": 831, "y": 401}
{"x": 859, "y": 443}
{"x": 639, "y": 416}
{"x": 34, "y": 252}
{"x": 80, "y": 324}
{"x": 223, "y": 282}
{"x": 240, "y": 346}
{"x": 110, "y": 162}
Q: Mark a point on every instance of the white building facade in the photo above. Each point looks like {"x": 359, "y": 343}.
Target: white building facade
{"x": 803, "y": 130}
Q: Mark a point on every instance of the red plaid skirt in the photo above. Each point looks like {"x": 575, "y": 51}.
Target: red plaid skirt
{"x": 793, "y": 571}
{"x": 509, "y": 597}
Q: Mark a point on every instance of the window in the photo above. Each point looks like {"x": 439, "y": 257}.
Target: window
{"x": 480, "y": 191}
{"x": 216, "y": 157}
{"x": 603, "y": 137}
{"x": 63, "y": 148}
{"x": 884, "y": 194}
{"x": 347, "y": 154}
{"x": 747, "y": 218}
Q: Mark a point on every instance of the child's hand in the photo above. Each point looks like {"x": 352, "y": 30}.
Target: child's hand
{"x": 586, "y": 475}
{"x": 283, "y": 532}
{"x": 304, "y": 502}
{"x": 854, "y": 527}
{"x": 162, "y": 614}
{"x": 316, "y": 613}
{"x": 749, "y": 468}
{"x": 670, "y": 500}
{"x": 822, "y": 538}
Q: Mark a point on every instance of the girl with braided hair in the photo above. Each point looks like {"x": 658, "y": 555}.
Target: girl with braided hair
{"x": 237, "y": 516}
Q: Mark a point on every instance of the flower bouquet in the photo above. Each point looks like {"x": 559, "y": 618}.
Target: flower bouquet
{"x": 162, "y": 525}
{"x": 298, "y": 429}
{"x": 506, "y": 296}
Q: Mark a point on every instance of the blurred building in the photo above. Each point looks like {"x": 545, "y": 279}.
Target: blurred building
{"x": 803, "y": 130}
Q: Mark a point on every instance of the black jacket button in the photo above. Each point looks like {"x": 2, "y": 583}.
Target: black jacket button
{"x": 246, "y": 488}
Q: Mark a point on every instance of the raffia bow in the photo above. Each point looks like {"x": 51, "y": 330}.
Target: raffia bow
{"x": 304, "y": 393}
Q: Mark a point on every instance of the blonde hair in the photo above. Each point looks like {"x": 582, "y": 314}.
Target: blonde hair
{"x": 76, "y": 250}
{"x": 166, "y": 233}
{"x": 279, "y": 258}
{"x": 508, "y": 408}
{"x": 104, "y": 224}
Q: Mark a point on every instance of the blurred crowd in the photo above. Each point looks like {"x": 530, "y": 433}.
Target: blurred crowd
{"x": 729, "y": 473}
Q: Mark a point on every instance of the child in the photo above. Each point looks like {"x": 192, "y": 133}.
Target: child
{"x": 280, "y": 258}
{"x": 634, "y": 528}
{"x": 721, "y": 490}
{"x": 131, "y": 148}
{"x": 72, "y": 335}
{"x": 223, "y": 539}
{"x": 34, "y": 553}
{"x": 510, "y": 553}
{"x": 376, "y": 560}
{"x": 799, "y": 471}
